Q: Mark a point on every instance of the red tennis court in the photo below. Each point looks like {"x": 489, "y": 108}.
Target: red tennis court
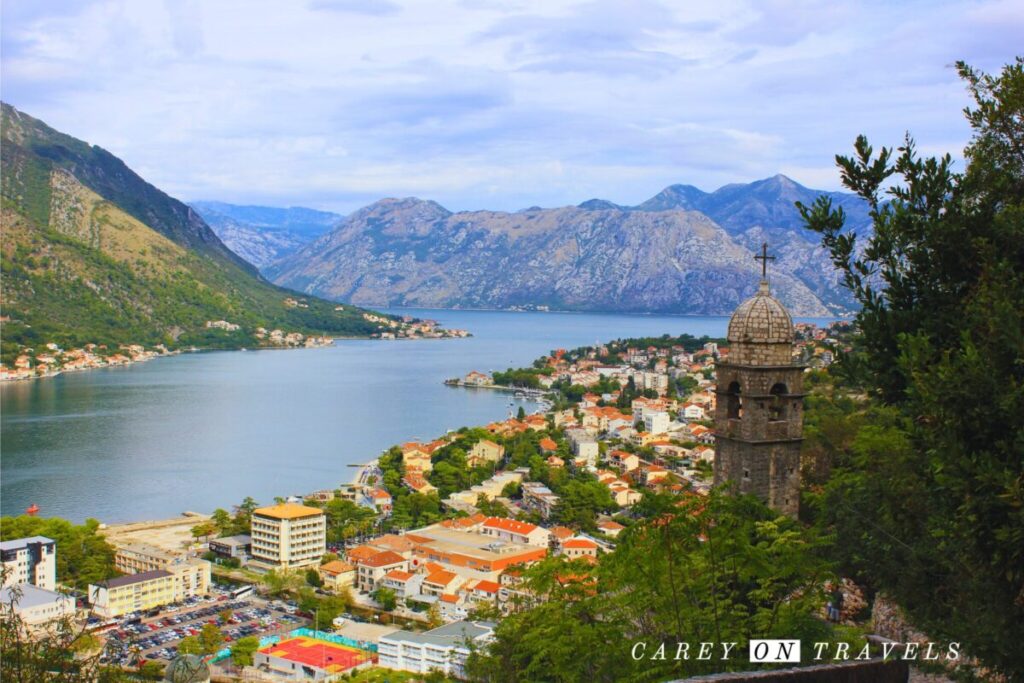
{"x": 330, "y": 657}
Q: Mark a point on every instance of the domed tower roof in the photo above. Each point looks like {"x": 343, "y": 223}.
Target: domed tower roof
{"x": 187, "y": 669}
{"x": 761, "y": 319}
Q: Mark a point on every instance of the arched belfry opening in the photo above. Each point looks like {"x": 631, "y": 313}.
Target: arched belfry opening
{"x": 734, "y": 401}
{"x": 777, "y": 404}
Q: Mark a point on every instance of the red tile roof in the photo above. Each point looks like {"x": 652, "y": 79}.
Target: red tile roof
{"x": 440, "y": 578}
{"x": 463, "y": 522}
{"x": 361, "y": 552}
{"x": 383, "y": 559}
{"x": 510, "y": 525}
{"x": 580, "y": 543}
{"x": 487, "y": 587}
{"x": 398, "y": 575}
{"x": 336, "y": 567}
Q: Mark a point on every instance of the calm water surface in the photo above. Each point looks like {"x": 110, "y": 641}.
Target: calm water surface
{"x": 204, "y": 430}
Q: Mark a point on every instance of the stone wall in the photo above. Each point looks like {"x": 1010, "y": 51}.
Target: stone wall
{"x": 873, "y": 671}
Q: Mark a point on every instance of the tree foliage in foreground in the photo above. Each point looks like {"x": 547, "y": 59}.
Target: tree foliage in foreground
{"x": 929, "y": 503}
{"x": 60, "y": 650}
{"x": 716, "y": 569}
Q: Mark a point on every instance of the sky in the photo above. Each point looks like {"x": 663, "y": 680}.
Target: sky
{"x": 333, "y": 104}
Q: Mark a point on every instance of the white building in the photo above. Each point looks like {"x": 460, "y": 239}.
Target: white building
{"x": 443, "y": 649}
{"x": 288, "y": 535}
{"x": 584, "y": 445}
{"x": 656, "y": 421}
{"x": 31, "y": 560}
{"x": 514, "y": 531}
{"x": 35, "y": 605}
{"x": 693, "y": 412}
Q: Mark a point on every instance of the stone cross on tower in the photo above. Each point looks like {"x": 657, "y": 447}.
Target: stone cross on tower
{"x": 764, "y": 258}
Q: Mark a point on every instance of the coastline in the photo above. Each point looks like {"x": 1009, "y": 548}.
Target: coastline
{"x": 9, "y": 376}
{"x": 359, "y": 478}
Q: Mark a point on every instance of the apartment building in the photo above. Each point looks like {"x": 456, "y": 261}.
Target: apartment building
{"x": 132, "y": 593}
{"x": 371, "y": 571}
{"x": 31, "y": 560}
{"x": 288, "y": 535}
{"x": 443, "y": 649}
{"x": 192, "y": 576}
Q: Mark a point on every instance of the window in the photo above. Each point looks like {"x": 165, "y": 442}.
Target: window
{"x": 777, "y": 409}
{"x": 733, "y": 401}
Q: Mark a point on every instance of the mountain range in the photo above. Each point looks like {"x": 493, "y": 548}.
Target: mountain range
{"x": 92, "y": 253}
{"x": 263, "y": 234}
{"x": 682, "y": 251}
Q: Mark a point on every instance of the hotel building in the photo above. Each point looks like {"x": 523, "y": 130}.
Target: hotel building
{"x": 30, "y": 560}
{"x": 288, "y": 535}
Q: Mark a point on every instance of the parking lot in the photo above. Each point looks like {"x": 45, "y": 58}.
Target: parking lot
{"x": 158, "y": 638}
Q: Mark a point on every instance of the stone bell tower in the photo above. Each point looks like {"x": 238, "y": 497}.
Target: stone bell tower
{"x": 759, "y": 410}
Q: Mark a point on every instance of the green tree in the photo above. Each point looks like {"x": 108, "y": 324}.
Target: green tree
{"x": 243, "y": 649}
{"x": 513, "y": 489}
{"x": 715, "y": 568}
{"x": 313, "y": 578}
{"x": 491, "y": 508}
{"x": 278, "y": 583}
{"x": 581, "y": 501}
{"x": 330, "y": 608}
{"x": 386, "y": 598}
{"x": 940, "y": 281}
{"x": 203, "y": 530}
{"x": 225, "y": 615}
{"x": 521, "y": 413}
{"x": 150, "y": 670}
{"x": 222, "y": 521}
{"x": 243, "y": 516}
{"x": 60, "y": 649}
{"x": 307, "y": 600}
{"x": 434, "y": 619}
{"x": 190, "y": 645}
{"x": 210, "y": 639}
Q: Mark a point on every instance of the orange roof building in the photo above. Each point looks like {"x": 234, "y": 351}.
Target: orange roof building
{"x": 287, "y": 511}
{"x": 385, "y": 558}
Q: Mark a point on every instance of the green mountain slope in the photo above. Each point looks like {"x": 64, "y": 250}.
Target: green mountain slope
{"x": 93, "y": 253}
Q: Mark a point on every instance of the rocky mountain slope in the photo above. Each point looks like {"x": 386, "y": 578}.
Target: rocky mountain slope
{"x": 92, "y": 253}
{"x": 765, "y": 211}
{"x": 411, "y": 252}
{"x": 682, "y": 251}
{"x": 263, "y": 234}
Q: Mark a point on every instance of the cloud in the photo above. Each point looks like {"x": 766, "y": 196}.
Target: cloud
{"x": 186, "y": 28}
{"x": 371, "y": 7}
{"x": 493, "y": 103}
